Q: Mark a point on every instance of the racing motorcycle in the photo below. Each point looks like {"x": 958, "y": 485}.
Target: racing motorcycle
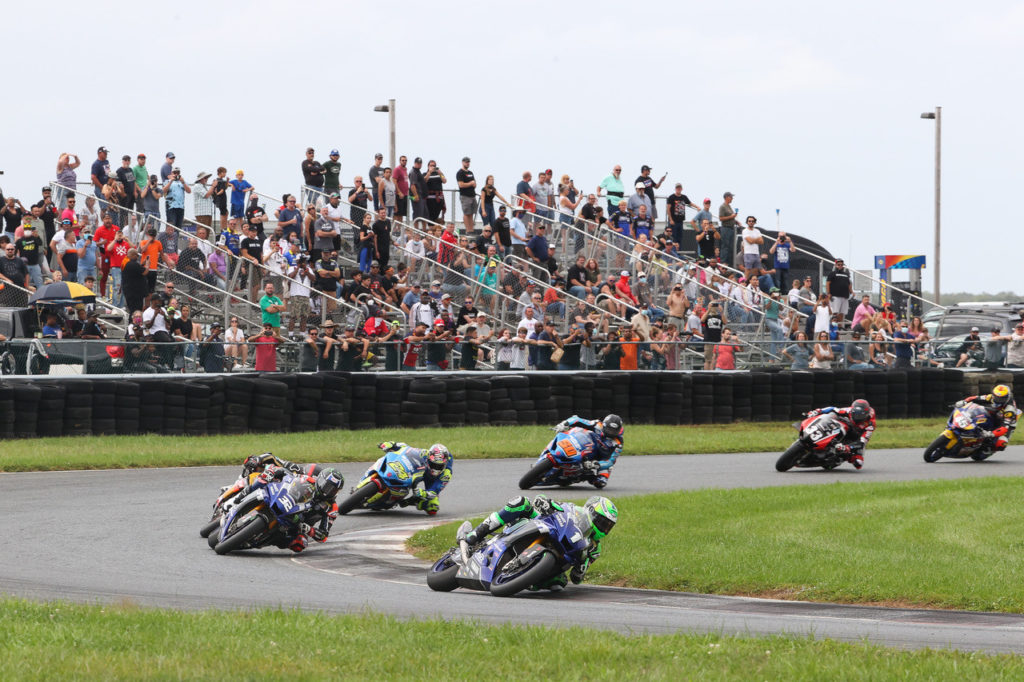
{"x": 525, "y": 554}
{"x": 816, "y": 445}
{"x": 224, "y": 502}
{"x": 564, "y": 464}
{"x": 966, "y": 431}
{"x": 390, "y": 481}
{"x": 261, "y": 516}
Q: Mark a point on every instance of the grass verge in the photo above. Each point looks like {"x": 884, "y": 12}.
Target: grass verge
{"x": 65, "y": 641}
{"x": 115, "y": 452}
{"x": 939, "y": 544}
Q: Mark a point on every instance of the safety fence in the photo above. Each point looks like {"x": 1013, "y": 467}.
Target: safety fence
{"x": 335, "y": 400}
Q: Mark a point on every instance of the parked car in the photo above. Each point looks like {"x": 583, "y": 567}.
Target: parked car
{"x": 958, "y": 319}
{"x": 24, "y": 353}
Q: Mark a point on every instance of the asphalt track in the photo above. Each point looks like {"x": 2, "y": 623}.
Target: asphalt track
{"x": 132, "y": 535}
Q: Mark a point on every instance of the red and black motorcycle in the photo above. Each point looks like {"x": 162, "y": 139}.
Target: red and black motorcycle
{"x": 818, "y": 445}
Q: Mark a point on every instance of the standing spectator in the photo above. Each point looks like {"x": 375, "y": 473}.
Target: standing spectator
{"x": 128, "y": 199}
{"x": 30, "y": 249}
{"x": 358, "y": 198}
{"x": 382, "y": 236}
{"x": 13, "y": 212}
{"x": 151, "y": 195}
{"x": 175, "y": 191}
{"x": 324, "y": 232}
{"x": 712, "y": 323}
{"x": 251, "y": 251}
{"x": 566, "y": 206}
{"x": 266, "y": 348}
{"x": 313, "y": 177}
{"x": 104, "y": 237}
{"x": 613, "y": 187}
{"x": 332, "y": 173}
{"x": 327, "y": 276}
{"x": 621, "y": 224}
{"x": 151, "y": 249}
{"x": 239, "y": 187}
{"x": 993, "y": 347}
{"x": 467, "y": 194}
{"x": 218, "y": 194}
{"x": 64, "y": 246}
{"x": 388, "y": 198}
{"x": 418, "y": 189}
{"x": 100, "y": 172}
{"x": 289, "y": 219}
{"x": 537, "y": 251}
{"x": 752, "y": 242}
{"x": 271, "y": 307}
{"x": 1015, "y": 347}
{"x": 366, "y": 246}
{"x": 725, "y": 352}
{"x": 117, "y": 252}
{"x": 518, "y": 233}
{"x": 503, "y": 228}
{"x": 487, "y": 194}
{"x": 211, "y": 354}
{"x": 133, "y": 280}
{"x": 677, "y": 305}
{"x": 48, "y": 213}
{"x": 167, "y": 168}
{"x": 401, "y": 177}
{"x": 435, "y": 181}
{"x": 780, "y": 250}
{"x": 649, "y": 187}
{"x": 727, "y": 217}
{"x": 700, "y": 216}
{"x": 903, "y": 347}
{"x": 675, "y": 213}
{"x": 637, "y": 199}
{"x": 141, "y": 174}
{"x": 374, "y": 175}
{"x": 643, "y": 226}
{"x": 14, "y": 270}
{"x": 67, "y": 178}
{"x": 203, "y": 203}
{"x": 192, "y": 262}
{"x": 838, "y": 286}
{"x": 544, "y": 193}
{"x": 302, "y": 277}
{"x": 524, "y": 197}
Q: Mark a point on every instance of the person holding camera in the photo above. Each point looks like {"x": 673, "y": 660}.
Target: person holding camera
{"x": 302, "y": 277}
{"x": 175, "y": 191}
{"x": 712, "y": 323}
{"x": 780, "y": 250}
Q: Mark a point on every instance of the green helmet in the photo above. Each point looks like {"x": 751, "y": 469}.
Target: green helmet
{"x": 602, "y": 514}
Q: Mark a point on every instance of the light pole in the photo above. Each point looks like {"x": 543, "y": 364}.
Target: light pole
{"x": 937, "y": 116}
{"x": 389, "y": 108}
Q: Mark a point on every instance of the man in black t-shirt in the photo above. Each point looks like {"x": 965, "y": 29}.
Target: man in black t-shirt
{"x": 649, "y": 187}
{"x": 251, "y": 250}
{"x": 126, "y": 176}
{"x": 503, "y": 228}
{"x": 838, "y": 286}
{"x": 48, "y": 214}
{"x": 313, "y": 176}
{"x": 30, "y": 248}
{"x": 675, "y": 213}
{"x": 418, "y": 189}
{"x": 356, "y": 290}
{"x": 255, "y": 217}
{"x": 382, "y": 229}
{"x": 712, "y": 323}
{"x": 484, "y": 240}
{"x": 467, "y": 194}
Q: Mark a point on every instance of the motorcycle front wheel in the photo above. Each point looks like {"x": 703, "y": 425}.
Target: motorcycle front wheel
{"x": 790, "y": 457}
{"x": 213, "y": 525}
{"x": 361, "y": 494}
{"x": 934, "y": 452}
{"x": 507, "y": 584}
{"x": 536, "y": 472}
{"x": 242, "y": 535}
{"x": 441, "y": 577}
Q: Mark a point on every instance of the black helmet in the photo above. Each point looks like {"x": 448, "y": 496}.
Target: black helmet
{"x": 860, "y": 411}
{"x": 612, "y": 426}
{"x": 328, "y": 483}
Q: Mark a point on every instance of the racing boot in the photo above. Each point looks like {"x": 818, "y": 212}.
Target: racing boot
{"x": 486, "y": 527}
{"x": 600, "y": 480}
{"x": 857, "y": 460}
{"x": 555, "y": 584}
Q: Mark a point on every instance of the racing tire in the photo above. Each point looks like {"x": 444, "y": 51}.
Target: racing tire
{"x": 790, "y": 457}
{"x": 441, "y": 577}
{"x": 979, "y": 456}
{"x": 242, "y": 535}
{"x": 361, "y": 494}
{"x": 534, "y": 574}
{"x": 933, "y": 453}
{"x": 213, "y": 525}
{"x": 535, "y": 474}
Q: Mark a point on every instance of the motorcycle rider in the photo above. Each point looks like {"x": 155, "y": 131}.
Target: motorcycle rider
{"x": 318, "y": 519}
{"x": 1002, "y": 409}
{"x": 438, "y": 474}
{"x": 595, "y": 518}
{"x": 607, "y": 439}
{"x": 257, "y": 463}
{"x": 859, "y": 418}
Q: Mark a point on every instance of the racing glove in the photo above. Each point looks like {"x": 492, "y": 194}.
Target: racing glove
{"x": 388, "y": 446}
{"x": 542, "y": 504}
{"x": 591, "y": 466}
{"x": 843, "y": 449}
{"x": 562, "y": 425}
{"x": 319, "y": 535}
{"x": 305, "y": 529}
{"x": 578, "y": 573}
{"x": 267, "y": 474}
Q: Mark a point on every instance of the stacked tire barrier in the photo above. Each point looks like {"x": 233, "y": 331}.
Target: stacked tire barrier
{"x": 233, "y": 404}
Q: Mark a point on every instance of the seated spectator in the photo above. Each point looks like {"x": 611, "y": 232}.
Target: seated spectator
{"x": 798, "y": 352}
{"x": 855, "y": 352}
{"x": 864, "y": 313}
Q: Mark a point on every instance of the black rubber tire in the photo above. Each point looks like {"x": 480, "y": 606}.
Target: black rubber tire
{"x": 443, "y": 580}
{"x": 242, "y": 535}
{"x": 360, "y": 495}
{"x": 933, "y": 453}
{"x": 540, "y": 571}
{"x": 790, "y": 457}
{"x": 205, "y": 531}
{"x": 536, "y": 472}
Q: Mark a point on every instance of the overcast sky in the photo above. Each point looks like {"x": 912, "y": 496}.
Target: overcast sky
{"x": 811, "y": 108}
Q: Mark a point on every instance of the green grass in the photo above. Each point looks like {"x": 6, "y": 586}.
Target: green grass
{"x": 57, "y": 641}
{"x": 943, "y": 544}
{"x": 114, "y": 452}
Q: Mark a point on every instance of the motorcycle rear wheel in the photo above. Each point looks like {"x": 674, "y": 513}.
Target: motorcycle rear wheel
{"x": 361, "y": 494}
{"x": 534, "y": 574}
{"x": 242, "y": 535}
{"x": 934, "y": 452}
{"x": 536, "y": 472}
{"x": 441, "y": 577}
{"x": 790, "y": 457}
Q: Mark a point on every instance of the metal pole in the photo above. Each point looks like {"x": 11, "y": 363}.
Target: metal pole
{"x": 938, "y": 199}
{"x": 391, "y": 133}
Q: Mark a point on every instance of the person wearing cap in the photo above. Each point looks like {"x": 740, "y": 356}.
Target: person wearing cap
{"x": 47, "y": 211}
{"x": 971, "y": 350}
{"x": 211, "y": 352}
{"x": 994, "y": 346}
{"x": 388, "y": 198}
{"x": 441, "y": 340}
{"x": 128, "y": 195}
{"x": 141, "y": 174}
{"x": 202, "y": 199}
{"x": 422, "y": 311}
{"x": 839, "y": 286}
{"x": 728, "y": 222}
{"x": 637, "y": 199}
{"x": 544, "y": 195}
{"x": 30, "y": 249}
{"x": 100, "y": 172}
{"x": 266, "y": 343}
{"x": 649, "y": 187}
{"x": 239, "y": 188}
{"x": 167, "y": 168}
{"x": 313, "y": 177}
{"x": 400, "y": 175}
{"x": 620, "y": 222}
{"x": 467, "y": 194}
{"x": 374, "y": 175}
{"x": 418, "y": 189}
{"x": 675, "y": 213}
{"x": 174, "y": 193}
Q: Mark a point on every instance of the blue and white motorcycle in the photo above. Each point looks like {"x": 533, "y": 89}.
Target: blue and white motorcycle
{"x": 263, "y": 515}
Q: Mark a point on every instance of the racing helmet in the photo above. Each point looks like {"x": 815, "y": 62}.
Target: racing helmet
{"x": 611, "y": 426}
{"x": 602, "y": 515}
{"x": 438, "y": 458}
{"x": 328, "y": 483}
{"x": 860, "y": 411}
{"x": 1002, "y": 395}
{"x": 259, "y": 462}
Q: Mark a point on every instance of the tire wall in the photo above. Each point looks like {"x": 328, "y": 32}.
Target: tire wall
{"x": 233, "y": 404}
